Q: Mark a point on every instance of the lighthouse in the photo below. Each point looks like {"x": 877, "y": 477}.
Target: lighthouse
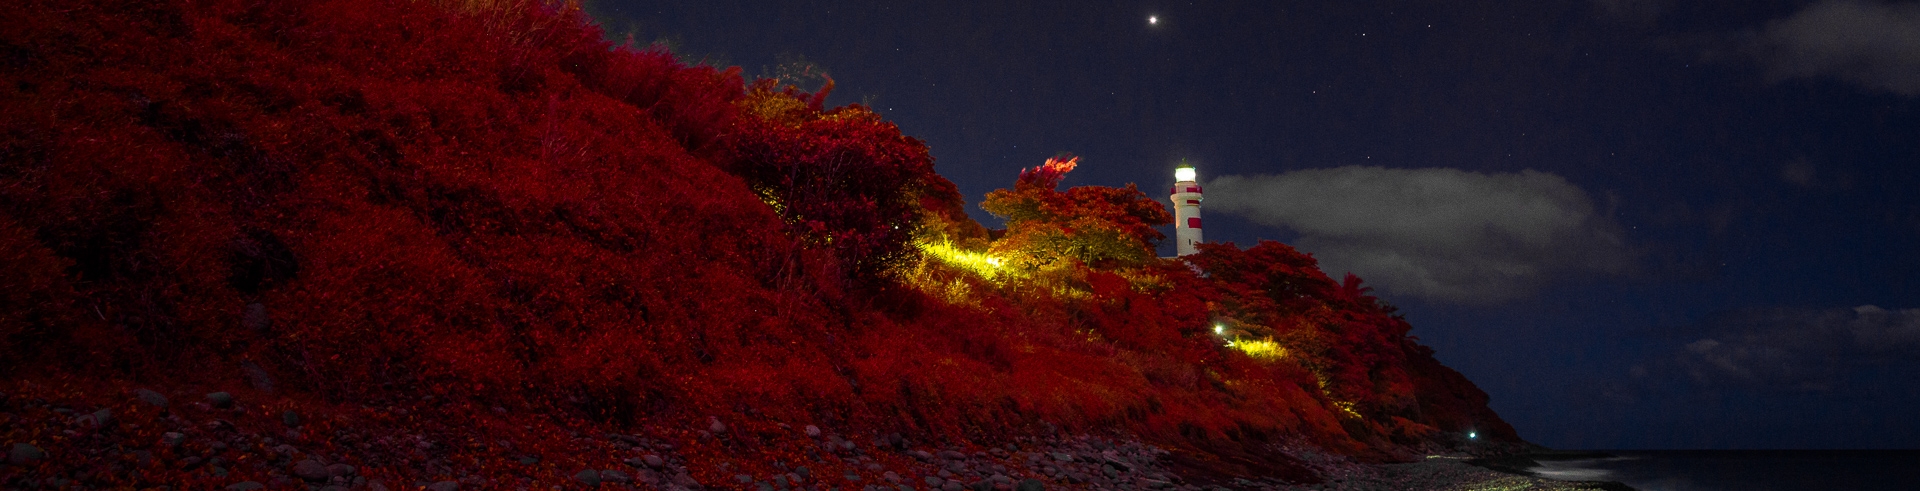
{"x": 1186, "y": 210}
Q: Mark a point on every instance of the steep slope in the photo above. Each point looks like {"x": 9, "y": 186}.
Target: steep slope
{"x": 338, "y": 202}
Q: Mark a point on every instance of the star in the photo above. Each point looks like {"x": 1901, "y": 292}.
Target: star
{"x": 1153, "y": 19}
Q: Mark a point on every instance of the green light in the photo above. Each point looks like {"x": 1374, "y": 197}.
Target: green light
{"x": 1473, "y": 435}
{"x": 1184, "y": 174}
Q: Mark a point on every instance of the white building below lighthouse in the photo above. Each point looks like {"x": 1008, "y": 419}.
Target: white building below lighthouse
{"x": 1186, "y": 210}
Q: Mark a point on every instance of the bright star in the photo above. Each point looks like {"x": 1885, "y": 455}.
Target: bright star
{"x": 1153, "y": 19}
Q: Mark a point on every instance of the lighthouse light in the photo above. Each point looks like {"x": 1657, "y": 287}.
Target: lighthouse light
{"x": 1184, "y": 174}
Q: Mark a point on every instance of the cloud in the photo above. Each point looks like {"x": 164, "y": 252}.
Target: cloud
{"x": 1800, "y": 350}
{"x": 1439, "y": 234}
{"x": 1876, "y": 45}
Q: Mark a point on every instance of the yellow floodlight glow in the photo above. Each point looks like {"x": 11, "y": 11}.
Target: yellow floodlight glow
{"x": 1347, "y": 407}
{"x": 1184, "y": 174}
{"x": 1261, "y": 349}
{"x": 979, "y": 263}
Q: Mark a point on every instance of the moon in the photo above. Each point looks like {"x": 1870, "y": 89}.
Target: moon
{"x": 1153, "y": 19}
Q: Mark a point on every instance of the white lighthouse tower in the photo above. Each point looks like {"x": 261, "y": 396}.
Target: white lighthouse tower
{"x": 1186, "y": 210}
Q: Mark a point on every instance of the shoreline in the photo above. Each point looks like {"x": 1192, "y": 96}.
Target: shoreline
{"x": 108, "y": 438}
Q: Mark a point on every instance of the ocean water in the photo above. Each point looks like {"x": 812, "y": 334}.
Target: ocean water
{"x": 1747, "y": 470}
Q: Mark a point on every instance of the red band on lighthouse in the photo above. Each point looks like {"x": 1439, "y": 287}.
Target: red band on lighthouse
{"x": 1193, "y": 222}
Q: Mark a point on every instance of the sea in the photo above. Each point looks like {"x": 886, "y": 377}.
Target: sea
{"x": 1746, "y": 470}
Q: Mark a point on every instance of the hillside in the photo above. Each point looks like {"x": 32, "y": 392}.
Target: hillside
{"x": 478, "y": 243}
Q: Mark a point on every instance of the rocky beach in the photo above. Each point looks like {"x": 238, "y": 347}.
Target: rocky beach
{"x": 140, "y": 438}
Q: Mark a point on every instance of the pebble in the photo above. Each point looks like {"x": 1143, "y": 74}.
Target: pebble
{"x": 588, "y": 477}
{"x": 311, "y": 470}
{"x": 151, "y": 398}
{"x": 96, "y": 419}
{"x": 245, "y": 486}
{"x": 25, "y": 454}
{"x": 220, "y": 400}
{"x": 614, "y": 476}
{"x": 444, "y": 486}
{"x": 255, "y": 318}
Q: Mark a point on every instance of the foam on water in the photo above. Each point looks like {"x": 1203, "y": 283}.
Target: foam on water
{"x": 1734, "y": 470}
{"x": 1572, "y": 470}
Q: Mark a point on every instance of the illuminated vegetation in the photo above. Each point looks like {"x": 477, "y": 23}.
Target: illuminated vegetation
{"x": 494, "y": 205}
{"x": 1263, "y": 349}
{"x": 980, "y": 263}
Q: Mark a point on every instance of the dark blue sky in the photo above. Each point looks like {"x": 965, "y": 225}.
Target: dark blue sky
{"x": 1635, "y": 223}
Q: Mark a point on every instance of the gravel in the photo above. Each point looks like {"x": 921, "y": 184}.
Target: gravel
{"x": 237, "y": 447}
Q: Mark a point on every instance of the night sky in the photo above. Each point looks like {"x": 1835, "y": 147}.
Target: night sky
{"x": 1635, "y": 223}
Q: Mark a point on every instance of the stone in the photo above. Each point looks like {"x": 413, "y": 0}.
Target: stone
{"x": 96, "y": 419}
{"x": 813, "y": 431}
{"x": 1031, "y": 485}
{"x": 257, "y": 377}
{"x": 245, "y": 486}
{"x": 311, "y": 470}
{"x": 25, "y": 454}
{"x": 151, "y": 398}
{"x": 952, "y": 486}
{"x": 654, "y": 461}
{"x": 340, "y": 470}
{"x": 221, "y": 400}
{"x": 1062, "y": 457}
{"x": 255, "y": 318}
{"x": 934, "y": 481}
{"x": 714, "y": 425}
{"x": 444, "y": 486}
{"x": 588, "y": 477}
{"x": 614, "y": 476}
{"x": 290, "y": 418}
{"x": 172, "y": 439}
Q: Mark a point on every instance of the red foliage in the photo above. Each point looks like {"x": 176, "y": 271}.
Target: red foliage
{"x": 1103, "y": 226}
{"x": 500, "y": 205}
{"x": 843, "y": 179}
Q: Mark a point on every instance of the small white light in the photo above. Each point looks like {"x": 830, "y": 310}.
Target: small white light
{"x": 1153, "y": 19}
{"x": 1473, "y": 435}
{"x": 1218, "y": 329}
{"x": 1184, "y": 174}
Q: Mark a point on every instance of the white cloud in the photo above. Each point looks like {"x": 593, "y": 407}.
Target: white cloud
{"x": 1873, "y": 44}
{"x": 1795, "y": 349}
{"x": 1441, "y": 234}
